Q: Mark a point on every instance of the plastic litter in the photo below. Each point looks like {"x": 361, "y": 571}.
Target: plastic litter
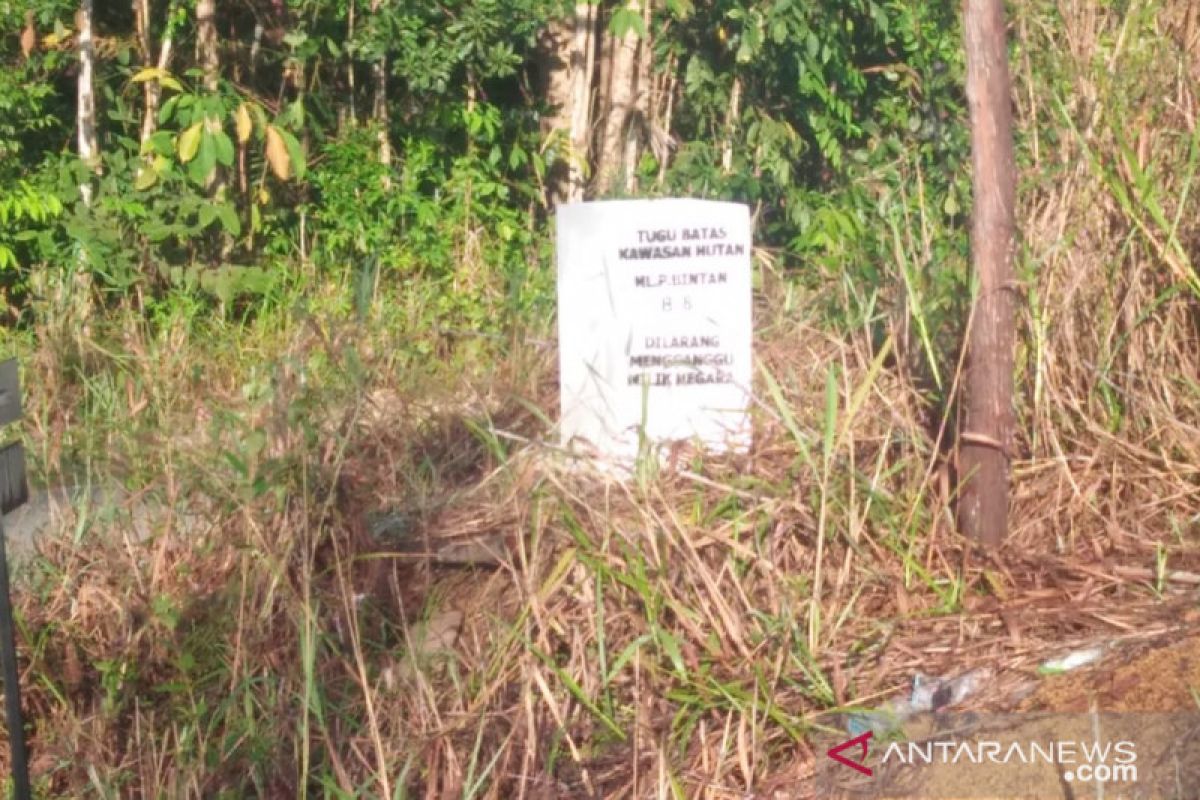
{"x": 1072, "y": 660}
{"x": 927, "y": 694}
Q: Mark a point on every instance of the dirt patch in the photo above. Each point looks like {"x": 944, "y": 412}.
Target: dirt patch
{"x": 1157, "y": 679}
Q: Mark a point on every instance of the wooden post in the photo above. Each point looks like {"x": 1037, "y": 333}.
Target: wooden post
{"x": 985, "y": 439}
{"x": 13, "y": 494}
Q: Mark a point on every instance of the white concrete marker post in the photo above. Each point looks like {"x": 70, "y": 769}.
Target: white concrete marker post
{"x": 654, "y": 320}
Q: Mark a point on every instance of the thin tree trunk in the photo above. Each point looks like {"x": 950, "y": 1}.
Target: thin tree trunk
{"x": 380, "y": 109}
{"x": 622, "y": 86}
{"x": 78, "y": 297}
{"x": 152, "y": 89}
{"x": 731, "y": 120}
{"x": 141, "y": 26}
{"x": 89, "y": 148}
{"x": 380, "y": 112}
{"x": 206, "y": 43}
{"x": 210, "y": 66}
{"x": 638, "y": 124}
{"x": 557, "y": 49}
{"x": 352, "y": 113}
{"x": 583, "y": 65}
{"x": 986, "y": 441}
{"x": 660, "y": 134}
{"x": 255, "y": 48}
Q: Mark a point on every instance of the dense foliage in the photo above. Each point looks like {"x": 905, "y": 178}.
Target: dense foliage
{"x": 847, "y": 123}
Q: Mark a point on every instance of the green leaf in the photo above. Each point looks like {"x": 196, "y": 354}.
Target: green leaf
{"x": 950, "y": 206}
{"x": 189, "y": 142}
{"x": 670, "y": 646}
{"x": 208, "y": 215}
{"x": 260, "y": 117}
{"x": 516, "y": 157}
{"x": 681, "y": 9}
{"x": 627, "y": 19}
{"x": 831, "y": 411}
{"x": 159, "y": 143}
{"x": 145, "y": 179}
{"x": 229, "y": 219}
{"x": 295, "y": 152}
{"x": 224, "y": 148}
{"x": 205, "y": 162}
{"x": 168, "y": 109}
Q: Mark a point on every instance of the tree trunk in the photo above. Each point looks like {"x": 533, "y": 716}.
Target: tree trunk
{"x": 380, "y": 112}
{"x": 210, "y": 66}
{"x": 731, "y": 120}
{"x": 347, "y": 112}
{"x": 206, "y": 43}
{"x": 380, "y": 109}
{"x": 660, "y": 131}
{"x": 75, "y": 300}
{"x": 618, "y": 103}
{"x": 556, "y": 57}
{"x": 583, "y": 66}
{"x": 85, "y": 114}
{"x": 141, "y": 27}
{"x": 152, "y": 89}
{"x": 985, "y": 443}
{"x": 637, "y": 130}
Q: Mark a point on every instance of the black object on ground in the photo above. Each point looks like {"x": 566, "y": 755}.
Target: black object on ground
{"x": 13, "y": 493}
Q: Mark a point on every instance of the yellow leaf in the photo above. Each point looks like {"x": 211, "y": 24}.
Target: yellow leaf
{"x": 277, "y": 154}
{"x": 241, "y": 119}
{"x": 145, "y": 179}
{"x": 149, "y": 74}
{"x": 189, "y": 143}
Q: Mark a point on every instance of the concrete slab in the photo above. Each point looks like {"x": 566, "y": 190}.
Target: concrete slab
{"x": 71, "y": 511}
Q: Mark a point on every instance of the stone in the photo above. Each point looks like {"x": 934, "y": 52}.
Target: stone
{"x": 106, "y": 509}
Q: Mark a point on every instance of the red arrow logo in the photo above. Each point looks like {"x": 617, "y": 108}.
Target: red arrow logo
{"x": 861, "y": 740}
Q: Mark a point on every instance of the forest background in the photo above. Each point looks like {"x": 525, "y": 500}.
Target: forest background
{"x": 287, "y": 265}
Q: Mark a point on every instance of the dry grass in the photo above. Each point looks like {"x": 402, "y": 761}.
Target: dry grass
{"x": 680, "y": 635}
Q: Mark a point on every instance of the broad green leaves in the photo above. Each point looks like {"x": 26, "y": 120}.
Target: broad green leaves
{"x": 22, "y": 209}
{"x": 204, "y": 145}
